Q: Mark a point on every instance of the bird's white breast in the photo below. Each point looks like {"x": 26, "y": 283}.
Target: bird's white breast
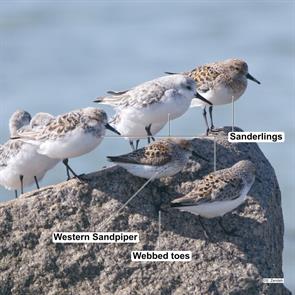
{"x": 148, "y": 171}
{"x": 218, "y": 208}
{"x": 135, "y": 130}
{"x": 28, "y": 163}
{"x": 73, "y": 144}
{"x": 218, "y": 95}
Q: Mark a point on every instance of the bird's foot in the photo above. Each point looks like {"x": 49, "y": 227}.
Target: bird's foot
{"x": 214, "y": 130}
{"x": 82, "y": 177}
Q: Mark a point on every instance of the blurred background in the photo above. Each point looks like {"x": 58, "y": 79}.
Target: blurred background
{"x": 58, "y": 56}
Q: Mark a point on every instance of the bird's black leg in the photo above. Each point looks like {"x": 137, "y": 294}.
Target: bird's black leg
{"x": 65, "y": 162}
{"x": 207, "y": 236}
{"x": 131, "y": 144}
{"x": 36, "y": 181}
{"x": 206, "y": 121}
{"x": 149, "y": 133}
{"x": 15, "y": 193}
{"x": 69, "y": 169}
{"x": 211, "y": 117}
{"x": 231, "y": 232}
{"x": 137, "y": 143}
{"x": 212, "y": 128}
{"x": 21, "y": 178}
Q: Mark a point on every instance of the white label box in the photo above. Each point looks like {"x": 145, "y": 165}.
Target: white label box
{"x": 267, "y": 137}
{"x": 95, "y": 237}
{"x": 183, "y": 256}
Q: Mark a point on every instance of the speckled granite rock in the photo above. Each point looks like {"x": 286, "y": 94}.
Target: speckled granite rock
{"x": 31, "y": 264}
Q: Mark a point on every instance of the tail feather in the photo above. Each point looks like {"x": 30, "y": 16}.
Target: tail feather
{"x": 178, "y": 205}
{"x": 114, "y": 158}
{"x": 111, "y": 158}
{"x": 171, "y": 73}
{"x": 108, "y": 100}
{"x": 181, "y": 201}
{"x": 113, "y": 99}
{"x": 117, "y": 92}
{"x": 122, "y": 159}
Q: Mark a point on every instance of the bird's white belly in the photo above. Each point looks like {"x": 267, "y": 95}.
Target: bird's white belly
{"x": 219, "y": 96}
{"x": 72, "y": 145}
{"x": 27, "y": 163}
{"x": 147, "y": 171}
{"x": 215, "y": 209}
{"x": 159, "y": 112}
{"x": 133, "y": 130}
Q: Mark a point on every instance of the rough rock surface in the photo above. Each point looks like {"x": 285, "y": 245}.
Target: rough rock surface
{"x": 31, "y": 264}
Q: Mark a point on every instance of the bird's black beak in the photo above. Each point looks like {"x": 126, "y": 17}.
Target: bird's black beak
{"x": 199, "y": 156}
{"x": 200, "y": 97}
{"x": 108, "y": 126}
{"x": 248, "y": 76}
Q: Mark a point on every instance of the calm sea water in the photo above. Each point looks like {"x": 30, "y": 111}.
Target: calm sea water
{"x": 57, "y": 57}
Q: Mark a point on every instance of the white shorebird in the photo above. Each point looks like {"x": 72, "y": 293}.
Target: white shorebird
{"x": 162, "y": 158}
{"x": 219, "y": 192}
{"x": 20, "y": 164}
{"x": 151, "y": 103}
{"x": 70, "y": 135}
{"x": 220, "y": 83}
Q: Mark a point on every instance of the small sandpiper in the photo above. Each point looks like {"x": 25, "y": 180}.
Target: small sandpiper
{"x": 70, "y": 135}
{"x": 219, "y": 192}
{"x": 162, "y": 158}
{"x": 220, "y": 83}
{"x": 20, "y": 163}
{"x": 153, "y": 102}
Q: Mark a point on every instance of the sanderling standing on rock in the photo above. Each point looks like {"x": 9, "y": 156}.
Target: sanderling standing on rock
{"x": 219, "y": 192}
{"x": 20, "y": 164}
{"x": 220, "y": 83}
{"x": 70, "y": 135}
{"x": 163, "y": 158}
{"x": 150, "y": 103}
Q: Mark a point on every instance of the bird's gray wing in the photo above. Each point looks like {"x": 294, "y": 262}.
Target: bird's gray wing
{"x": 204, "y": 77}
{"x": 214, "y": 187}
{"x": 140, "y": 96}
{"x": 156, "y": 154}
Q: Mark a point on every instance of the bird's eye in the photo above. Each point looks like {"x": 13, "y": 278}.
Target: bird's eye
{"x": 237, "y": 69}
{"x": 189, "y": 87}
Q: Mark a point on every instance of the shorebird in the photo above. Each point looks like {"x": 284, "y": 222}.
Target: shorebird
{"x": 20, "y": 164}
{"x": 219, "y": 83}
{"x": 219, "y": 192}
{"x": 162, "y": 158}
{"x": 70, "y": 135}
{"x": 151, "y": 103}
